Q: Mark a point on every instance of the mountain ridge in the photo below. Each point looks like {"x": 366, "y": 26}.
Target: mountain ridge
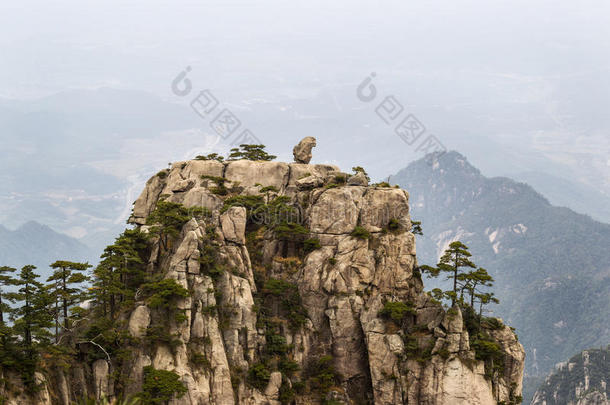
{"x": 550, "y": 263}
{"x": 38, "y": 244}
{"x": 582, "y": 380}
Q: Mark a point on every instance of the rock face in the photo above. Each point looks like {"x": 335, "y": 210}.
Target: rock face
{"x": 13, "y": 392}
{"x": 583, "y": 380}
{"x": 507, "y": 223}
{"x": 302, "y": 151}
{"x": 282, "y": 323}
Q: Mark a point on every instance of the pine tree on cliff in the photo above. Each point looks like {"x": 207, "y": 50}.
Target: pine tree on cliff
{"x": 250, "y": 152}
{"x": 66, "y": 287}
{"x": 7, "y": 339}
{"x": 167, "y": 220}
{"x": 484, "y": 299}
{"x": 455, "y": 258}
{"x": 121, "y": 271}
{"x": 32, "y": 321}
{"x": 416, "y": 228}
{"x": 6, "y": 281}
{"x": 472, "y": 282}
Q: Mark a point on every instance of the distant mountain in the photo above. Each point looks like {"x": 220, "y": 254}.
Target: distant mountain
{"x": 33, "y": 243}
{"x": 77, "y": 159}
{"x": 583, "y": 380}
{"x": 565, "y": 193}
{"x": 551, "y": 265}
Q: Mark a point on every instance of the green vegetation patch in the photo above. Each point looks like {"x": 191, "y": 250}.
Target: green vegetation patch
{"x": 311, "y": 244}
{"x": 397, "y": 311}
{"x": 360, "y": 232}
{"x": 160, "y": 386}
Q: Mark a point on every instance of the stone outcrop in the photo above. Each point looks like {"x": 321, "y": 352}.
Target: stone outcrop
{"x": 359, "y": 179}
{"x": 342, "y": 285}
{"x": 302, "y": 151}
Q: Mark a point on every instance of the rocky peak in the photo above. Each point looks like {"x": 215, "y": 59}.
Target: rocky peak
{"x": 303, "y": 288}
{"x": 302, "y": 151}
{"x": 343, "y": 283}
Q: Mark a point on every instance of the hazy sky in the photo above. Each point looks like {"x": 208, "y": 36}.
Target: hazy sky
{"x": 517, "y": 86}
{"x": 50, "y": 46}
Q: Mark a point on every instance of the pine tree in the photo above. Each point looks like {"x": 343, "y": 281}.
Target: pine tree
{"x": 6, "y": 281}
{"x": 472, "y": 281}
{"x": 416, "y": 228}
{"x": 360, "y": 169}
{"x": 32, "y": 321}
{"x": 453, "y": 260}
{"x": 121, "y": 271}
{"x": 66, "y": 288}
{"x": 250, "y": 152}
{"x": 484, "y": 299}
{"x": 167, "y": 220}
{"x": 7, "y": 338}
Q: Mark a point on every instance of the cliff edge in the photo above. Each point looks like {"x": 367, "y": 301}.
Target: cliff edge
{"x": 303, "y": 288}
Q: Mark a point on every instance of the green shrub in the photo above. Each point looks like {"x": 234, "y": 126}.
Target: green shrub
{"x": 472, "y": 320}
{"x": 220, "y": 188}
{"x": 416, "y": 228}
{"x": 360, "y": 233}
{"x": 250, "y": 152}
{"x": 290, "y": 231}
{"x": 394, "y": 225}
{"x": 360, "y": 169}
{"x": 491, "y": 323}
{"x": 276, "y": 344}
{"x": 321, "y": 375}
{"x": 444, "y": 353}
{"x": 288, "y": 367}
{"x": 413, "y": 351}
{"x": 160, "y": 334}
{"x": 209, "y": 310}
{"x": 298, "y": 386}
{"x": 289, "y": 299}
{"x": 311, "y": 244}
{"x": 269, "y": 189}
{"x": 235, "y": 381}
{"x": 250, "y": 202}
{"x": 160, "y": 386}
{"x": 396, "y": 311}
{"x": 163, "y": 173}
{"x": 489, "y": 351}
{"x": 209, "y": 259}
{"x": 211, "y": 156}
{"x": 102, "y": 401}
{"x": 382, "y": 184}
{"x": 279, "y": 287}
{"x": 278, "y": 215}
{"x": 286, "y": 393}
{"x": 340, "y": 179}
{"x": 168, "y": 218}
{"x": 201, "y": 360}
{"x": 163, "y": 292}
{"x": 332, "y": 261}
{"x": 258, "y": 376}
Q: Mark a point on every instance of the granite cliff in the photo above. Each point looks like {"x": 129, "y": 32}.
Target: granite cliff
{"x": 303, "y": 288}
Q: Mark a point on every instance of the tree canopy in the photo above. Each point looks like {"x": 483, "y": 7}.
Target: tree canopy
{"x": 250, "y": 152}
